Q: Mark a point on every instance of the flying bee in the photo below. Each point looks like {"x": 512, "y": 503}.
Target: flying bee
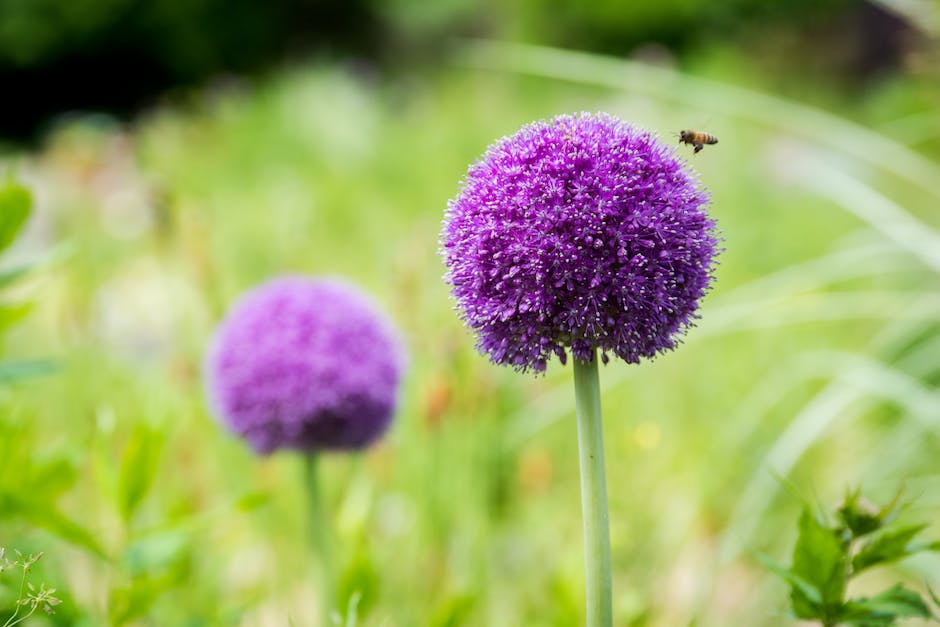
{"x": 697, "y": 139}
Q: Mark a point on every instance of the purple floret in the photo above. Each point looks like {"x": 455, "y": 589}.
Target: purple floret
{"x": 305, "y": 364}
{"x": 580, "y": 233}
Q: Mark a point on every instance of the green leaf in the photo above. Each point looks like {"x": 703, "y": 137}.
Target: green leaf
{"x": 796, "y": 582}
{"x": 45, "y": 516}
{"x": 138, "y": 467}
{"x": 15, "y": 205}
{"x": 885, "y": 608}
{"x": 11, "y": 371}
{"x": 889, "y": 546}
{"x": 818, "y": 559}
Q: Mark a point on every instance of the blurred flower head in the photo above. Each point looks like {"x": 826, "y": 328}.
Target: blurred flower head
{"x": 579, "y": 233}
{"x": 305, "y": 364}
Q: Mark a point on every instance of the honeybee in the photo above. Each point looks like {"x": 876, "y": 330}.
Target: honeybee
{"x": 697, "y": 139}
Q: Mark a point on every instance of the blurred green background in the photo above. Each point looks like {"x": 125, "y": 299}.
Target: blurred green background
{"x": 181, "y": 152}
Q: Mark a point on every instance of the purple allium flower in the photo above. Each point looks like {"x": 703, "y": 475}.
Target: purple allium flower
{"x": 305, "y": 364}
{"x": 582, "y": 232}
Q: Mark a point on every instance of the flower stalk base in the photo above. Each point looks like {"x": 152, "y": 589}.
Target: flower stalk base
{"x": 320, "y": 537}
{"x": 598, "y": 585}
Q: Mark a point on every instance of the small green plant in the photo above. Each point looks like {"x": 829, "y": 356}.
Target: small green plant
{"x": 29, "y": 598}
{"x": 828, "y": 555}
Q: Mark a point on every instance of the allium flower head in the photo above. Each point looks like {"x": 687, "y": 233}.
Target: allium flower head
{"x": 582, "y": 232}
{"x": 305, "y": 364}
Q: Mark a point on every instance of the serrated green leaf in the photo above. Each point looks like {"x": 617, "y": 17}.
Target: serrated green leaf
{"x": 138, "y": 467}
{"x": 796, "y": 582}
{"x": 888, "y": 546}
{"x": 43, "y": 515}
{"x": 11, "y": 371}
{"x": 818, "y": 558}
{"x": 885, "y": 608}
{"x": 15, "y": 205}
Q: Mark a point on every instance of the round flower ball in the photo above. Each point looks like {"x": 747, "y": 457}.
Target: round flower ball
{"x": 305, "y": 364}
{"x": 581, "y": 233}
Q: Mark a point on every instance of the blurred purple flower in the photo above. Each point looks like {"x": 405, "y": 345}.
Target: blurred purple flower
{"x": 582, "y": 232}
{"x": 305, "y": 364}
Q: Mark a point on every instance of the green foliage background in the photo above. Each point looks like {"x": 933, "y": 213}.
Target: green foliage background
{"x": 816, "y": 358}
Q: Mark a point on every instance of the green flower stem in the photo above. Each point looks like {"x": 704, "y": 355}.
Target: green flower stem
{"x": 320, "y": 536}
{"x": 593, "y": 493}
